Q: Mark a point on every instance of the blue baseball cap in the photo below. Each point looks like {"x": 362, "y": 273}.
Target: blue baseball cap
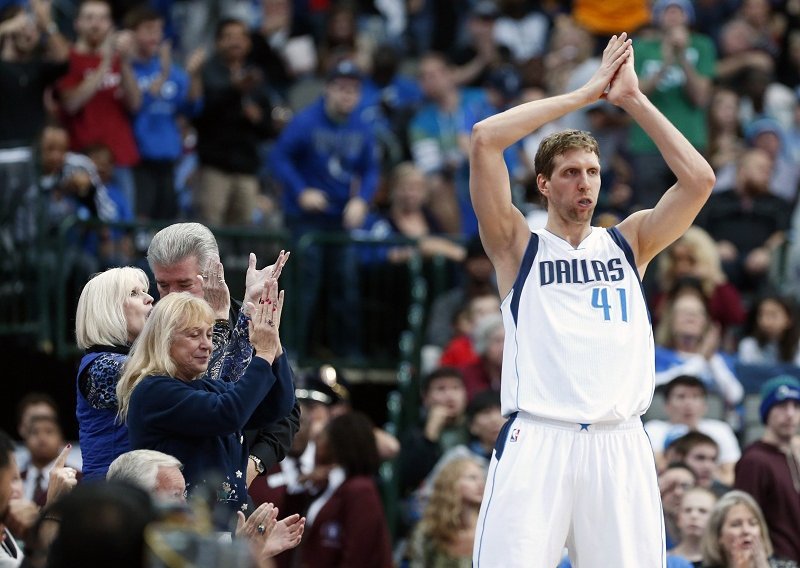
{"x": 345, "y": 69}
{"x": 685, "y": 5}
{"x": 777, "y": 390}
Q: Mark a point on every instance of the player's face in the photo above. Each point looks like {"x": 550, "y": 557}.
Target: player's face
{"x": 448, "y": 392}
{"x": 471, "y": 484}
{"x": 191, "y": 350}
{"x": 703, "y": 461}
{"x": 740, "y": 530}
{"x": 686, "y": 405}
{"x": 784, "y": 420}
{"x": 573, "y": 188}
{"x": 179, "y": 277}
{"x": 136, "y": 307}
{"x": 695, "y": 510}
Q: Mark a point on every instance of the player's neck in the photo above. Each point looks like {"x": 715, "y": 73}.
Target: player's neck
{"x": 573, "y": 233}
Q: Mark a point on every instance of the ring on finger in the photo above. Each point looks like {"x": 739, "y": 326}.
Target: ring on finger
{"x": 261, "y": 529}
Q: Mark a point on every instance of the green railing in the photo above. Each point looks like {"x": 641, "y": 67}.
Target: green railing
{"x": 24, "y": 268}
{"x": 52, "y": 288}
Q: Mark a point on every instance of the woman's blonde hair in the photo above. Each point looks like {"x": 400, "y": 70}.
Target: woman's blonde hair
{"x": 707, "y": 262}
{"x": 443, "y": 518}
{"x": 150, "y": 354}
{"x": 100, "y": 317}
{"x": 713, "y": 553}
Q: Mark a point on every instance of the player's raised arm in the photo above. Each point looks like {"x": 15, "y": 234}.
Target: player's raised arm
{"x": 503, "y": 229}
{"x": 651, "y": 230}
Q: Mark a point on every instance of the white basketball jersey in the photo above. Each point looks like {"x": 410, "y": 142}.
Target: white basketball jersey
{"x": 579, "y": 342}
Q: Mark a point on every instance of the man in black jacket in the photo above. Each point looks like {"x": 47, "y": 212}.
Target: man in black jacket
{"x": 236, "y": 117}
{"x": 184, "y": 257}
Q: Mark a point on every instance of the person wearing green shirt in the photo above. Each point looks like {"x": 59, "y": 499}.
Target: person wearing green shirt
{"x": 675, "y": 67}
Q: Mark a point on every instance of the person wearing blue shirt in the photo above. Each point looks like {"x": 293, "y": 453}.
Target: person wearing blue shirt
{"x": 168, "y": 91}
{"x": 326, "y": 161}
{"x": 439, "y": 136}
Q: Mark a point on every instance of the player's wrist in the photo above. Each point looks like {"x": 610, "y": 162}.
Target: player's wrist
{"x": 634, "y": 102}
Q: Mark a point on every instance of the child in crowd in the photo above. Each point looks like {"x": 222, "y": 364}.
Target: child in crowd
{"x": 460, "y": 352}
{"x": 693, "y": 516}
{"x": 115, "y": 246}
{"x": 772, "y": 336}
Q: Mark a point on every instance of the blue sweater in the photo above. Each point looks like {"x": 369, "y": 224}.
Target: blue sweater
{"x": 101, "y": 435}
{"x": 155, "y": 126}
{"x": 314, "y": 151}
{"x": 201, "y": 422}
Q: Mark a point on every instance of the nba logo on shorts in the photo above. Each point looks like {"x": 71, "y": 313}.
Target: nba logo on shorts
{"x": 514, "y": 435}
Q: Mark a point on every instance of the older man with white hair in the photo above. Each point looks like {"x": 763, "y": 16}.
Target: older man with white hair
{"x": 160, "y": 475}
{"x": 156, "y": 472}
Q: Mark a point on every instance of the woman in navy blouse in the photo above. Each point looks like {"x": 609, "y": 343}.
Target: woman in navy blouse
{"x": 170, "y": 406}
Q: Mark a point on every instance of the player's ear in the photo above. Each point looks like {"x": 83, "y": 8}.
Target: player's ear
{"x": 543, "y": 184}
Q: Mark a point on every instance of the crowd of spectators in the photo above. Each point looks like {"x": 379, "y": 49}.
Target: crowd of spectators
{"x": 355, "y": 119}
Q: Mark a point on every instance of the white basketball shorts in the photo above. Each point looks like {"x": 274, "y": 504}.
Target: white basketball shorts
{"x": 592, "y": 487}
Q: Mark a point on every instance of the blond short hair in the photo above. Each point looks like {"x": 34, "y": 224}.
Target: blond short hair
{"x": 100, "y": 317}
{"x": 150, "y": 354}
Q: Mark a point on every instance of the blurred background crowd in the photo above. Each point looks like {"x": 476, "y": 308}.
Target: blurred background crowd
{"x": 340, "y": 130}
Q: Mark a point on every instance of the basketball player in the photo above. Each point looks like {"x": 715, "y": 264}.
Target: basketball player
{"x": 573, "y": 463}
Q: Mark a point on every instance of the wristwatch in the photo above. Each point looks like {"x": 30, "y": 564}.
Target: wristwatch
{"x": 258, "y": 463}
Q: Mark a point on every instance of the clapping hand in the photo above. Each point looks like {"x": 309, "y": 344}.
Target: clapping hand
{"x": 255, "y": 278}
{"x": 624, "y": 84}
{"x": 215, "y": 290}
{"x": 617, "y": 52}
{"x": 286, "y": 535}
{"x": 260, "y": 524}
{"x": 265, "y": 322}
